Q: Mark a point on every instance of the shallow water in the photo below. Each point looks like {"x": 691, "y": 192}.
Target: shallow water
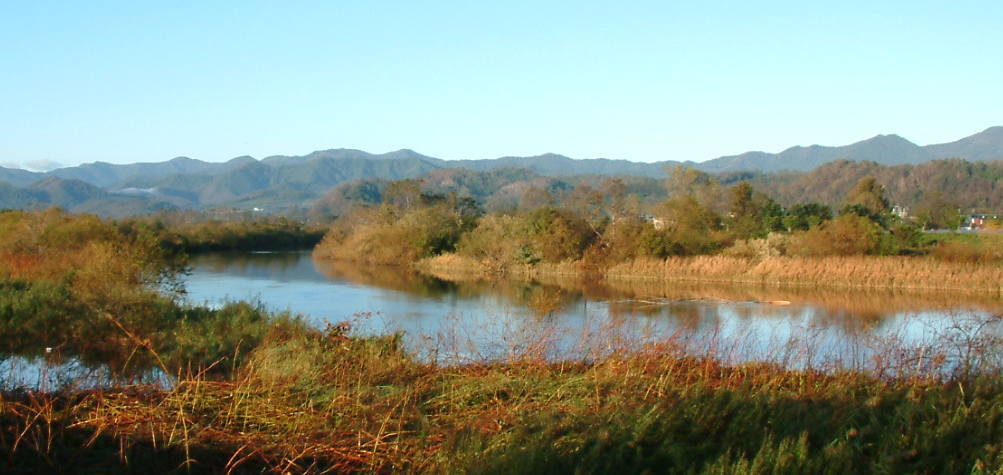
{"x": 582, "y": 319}
{"x": 891, "y": 333}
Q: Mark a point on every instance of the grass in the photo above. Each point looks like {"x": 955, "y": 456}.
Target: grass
{"x": 876, "y": 272}
{"x": 311, "y": 401}
{"x": 255, "y": 392}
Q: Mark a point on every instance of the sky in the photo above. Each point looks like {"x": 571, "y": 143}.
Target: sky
{"x": 124, "y": 82}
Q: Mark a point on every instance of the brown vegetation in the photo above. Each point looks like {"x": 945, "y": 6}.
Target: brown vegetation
{"x": 825, "y": 271}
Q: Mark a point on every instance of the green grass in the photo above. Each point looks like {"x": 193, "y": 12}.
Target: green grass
{"x": 315, "y": 401}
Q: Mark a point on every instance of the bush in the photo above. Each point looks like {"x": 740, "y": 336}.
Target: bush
{"x": 987, "y": 248}
{"x": 556, "y": 235}
{"x": 690, "y": 228}
{"x": 494, "y": 242}
{"x": 395, "y": 236}
{"x": 847, "y": 235}
{"x": 773, "y": 245}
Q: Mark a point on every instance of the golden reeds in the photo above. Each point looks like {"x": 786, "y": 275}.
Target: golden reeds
{"x": 893, "y": 272}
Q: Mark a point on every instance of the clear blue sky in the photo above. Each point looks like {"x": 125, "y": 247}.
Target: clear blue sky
{"x": 147, "y": 81}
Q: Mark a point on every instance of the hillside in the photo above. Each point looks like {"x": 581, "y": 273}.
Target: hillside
{"x": 969, "y": 185}
{"x": 281, "y": 183}
{"x": 76, "y": 196}
{"x": 882, "y": 149}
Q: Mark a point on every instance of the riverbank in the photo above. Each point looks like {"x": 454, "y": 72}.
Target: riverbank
{"x": 852, "y": 272}
{"x": 248, "y": 390}
{"x": 313, "y": 401}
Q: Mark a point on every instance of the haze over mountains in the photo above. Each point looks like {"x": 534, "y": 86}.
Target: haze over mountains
{"x": 280, "y": 182}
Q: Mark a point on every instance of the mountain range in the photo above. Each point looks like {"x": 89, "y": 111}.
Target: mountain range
{"x": 278, "y": 183}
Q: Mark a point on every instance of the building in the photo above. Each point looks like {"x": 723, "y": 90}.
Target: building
{"x": 978, "y": 222}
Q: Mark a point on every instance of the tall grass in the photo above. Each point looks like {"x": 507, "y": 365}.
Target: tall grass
{"x": 311, "y": 401}
{"x": 888, "y": 272}
{"x": 254, "y": 392}
{"x": 837, "y": 271}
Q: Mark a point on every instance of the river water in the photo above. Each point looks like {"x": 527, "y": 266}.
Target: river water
{"x": 891, "y": 334}
{"x": 456, "y": 322}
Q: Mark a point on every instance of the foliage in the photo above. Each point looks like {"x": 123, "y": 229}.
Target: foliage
{"x": 319, "y": 401}
{"x": 601, "y": 227}
{"x": 415, "y": 226}
{"x": 803, "y": 216}
{"x": 96, "y": 291}
{"x": 983, "y": 248}
{"x": 690, "y": 227}
{"x": 753, "y": 215}
{"x": 935, "y": 211}
{"x": 846, "y": 235}
{"x": 251, "y": 391}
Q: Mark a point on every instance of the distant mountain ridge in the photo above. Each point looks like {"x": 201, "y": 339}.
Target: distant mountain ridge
{"x": 278, "y": 182}
{"x": 881, "y": 149}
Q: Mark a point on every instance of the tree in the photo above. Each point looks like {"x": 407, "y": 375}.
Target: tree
{"x": 535, "y": 198}
{"x": 752, "y": 214}
{"x": 847, "y": 235}
{"x": 868, "y": 195}
{"x": 683, "y": 180}
{"x": 556, "y": 235}
{"x": 587, "y": 204}
{"x": 403, "y": 193}
{"x": 804, "y": 216}
{"x": 935, "y": 211}
{"x": 616, "y": 195}
{"x": 688, "y": 225}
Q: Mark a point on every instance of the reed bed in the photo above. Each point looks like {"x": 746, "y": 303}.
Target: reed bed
{"x": 876, "y": 272}
{"x": 311, "y": 401}
{"x": 841, "y": 271}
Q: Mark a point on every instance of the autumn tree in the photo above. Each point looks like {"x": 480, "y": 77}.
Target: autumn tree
{"x": 847, "y": 235}
{"x": 535, "y": 198}
{"x": 403, "y": 193}
{"x": 867, "y": 198}
{"x": 688, "y": 225}
{"x": 936, "y": 211}
{"x": 752, "y": 214}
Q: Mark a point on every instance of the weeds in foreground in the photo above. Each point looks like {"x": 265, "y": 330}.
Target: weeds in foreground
{"x": 322, "y": 401}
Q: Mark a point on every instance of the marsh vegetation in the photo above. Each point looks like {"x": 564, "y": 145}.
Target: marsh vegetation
{"x": 703, "y": 231}
{"x": 238, "y": 387}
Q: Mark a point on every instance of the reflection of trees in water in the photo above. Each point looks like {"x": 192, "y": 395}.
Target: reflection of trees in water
{"x": 399, "y": 278}
{"x": 154, "y": 334}
{"x": 839, "y": 321}
{"x": 692, "y": 305}
{"x": 851, "y": 309}
{"x": 542, "y": 299}
{"x": 268, "y": 262}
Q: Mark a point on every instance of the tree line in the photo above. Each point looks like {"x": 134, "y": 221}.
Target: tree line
{"x": 606, "y": 223}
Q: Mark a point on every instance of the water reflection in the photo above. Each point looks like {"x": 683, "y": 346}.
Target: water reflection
{"x": 464, "y": 320}
{"x": 57, "y": 373}
{"x": 458, "y": 321}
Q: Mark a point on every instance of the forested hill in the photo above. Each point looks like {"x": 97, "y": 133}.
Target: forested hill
{"x": 883, "y": 149}
{"x": 345, "y": 164}
{"x": 288, "y": 184}
{"x": 971, "y": 185}
{"x": 968, "y": 185}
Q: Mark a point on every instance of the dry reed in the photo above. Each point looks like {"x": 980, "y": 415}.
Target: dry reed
{"x": 836, "y": 272}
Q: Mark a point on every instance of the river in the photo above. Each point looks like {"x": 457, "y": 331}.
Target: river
{"x": 490, "y": 320}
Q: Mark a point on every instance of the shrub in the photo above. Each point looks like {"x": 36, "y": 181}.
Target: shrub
{"x": 847, "y": 235}
{"x": 987, "y": 248}
{"x": 690, "y": 228}
{"x": 494, "y": 242}
{"x": 773, "y": 245}
{"x": 556, "y": 235}
{"x": 396, "y": 236}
